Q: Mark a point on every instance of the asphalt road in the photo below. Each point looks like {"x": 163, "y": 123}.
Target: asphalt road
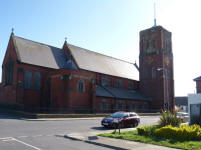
{"x": 22, "y": 134}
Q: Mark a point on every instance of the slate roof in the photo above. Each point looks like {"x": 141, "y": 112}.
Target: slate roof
{"x": 31, "y": 52}
{"x": 181, "y": 101}
{"x": 120, "y": 93}
{"x": 198, "y": 78}
{"x": 39, "y": 54}
{"x": 96, "y": 62}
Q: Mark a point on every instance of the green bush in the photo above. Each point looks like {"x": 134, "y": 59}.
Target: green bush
{"x": 147, "y": 130}
{"x": 141, "y": 130}
{"x": 184, "y": 132}
{"x": 169, "y": 118}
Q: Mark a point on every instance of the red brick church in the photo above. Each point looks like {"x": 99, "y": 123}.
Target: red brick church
{"x": 38, "y": 76}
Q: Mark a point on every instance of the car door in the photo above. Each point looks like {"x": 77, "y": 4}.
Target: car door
{"x": 132, "y": 119}
{"x": 126, "y": 120}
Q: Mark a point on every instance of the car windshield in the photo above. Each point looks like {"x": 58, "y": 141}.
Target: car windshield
{"x": 118, "y": 115}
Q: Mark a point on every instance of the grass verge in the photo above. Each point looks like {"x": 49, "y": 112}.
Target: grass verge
{"x": 133, "y": 136}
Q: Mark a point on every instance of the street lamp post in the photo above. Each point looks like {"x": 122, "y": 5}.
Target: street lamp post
{"x": 167, "y": 104}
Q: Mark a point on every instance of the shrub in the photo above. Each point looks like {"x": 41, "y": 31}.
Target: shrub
{"x": 169, "y": 118}
{"x": 141, "y": 130}
{"x": 184, "y": 132}
{"x": 147, "y": 130}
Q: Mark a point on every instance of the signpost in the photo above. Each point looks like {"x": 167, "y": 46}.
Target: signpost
{"x": 117, "y": 123}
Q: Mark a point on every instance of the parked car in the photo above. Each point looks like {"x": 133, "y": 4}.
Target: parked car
{"x": 125, "y": 119}
{"x": 184, "y": 116}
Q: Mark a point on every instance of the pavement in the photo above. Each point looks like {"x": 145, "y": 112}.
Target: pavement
{"x": 111, "y": 143}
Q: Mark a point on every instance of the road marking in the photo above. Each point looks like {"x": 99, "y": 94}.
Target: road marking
{"x": 6, "y": 138}
{"x": 26, "y": 144}
{"x": 14, "y": 139}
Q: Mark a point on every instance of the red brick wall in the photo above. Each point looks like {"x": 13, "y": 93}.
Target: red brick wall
{"x": 112, "y": 81}
{"x": 16, "y": 93}
{"x": 152, "y": 58}
{"x": 55, "y": 91}
{"x": 112, "y": 104}
{"x": 30, "y": 96}
{"x": 65, "y": 92}
{"x": 8, "y": 92}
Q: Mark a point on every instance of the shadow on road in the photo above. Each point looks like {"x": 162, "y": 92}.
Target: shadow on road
{"x": 101, "y": 128}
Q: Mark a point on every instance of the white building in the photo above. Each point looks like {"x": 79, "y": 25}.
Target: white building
{"x": 194, "y": 110}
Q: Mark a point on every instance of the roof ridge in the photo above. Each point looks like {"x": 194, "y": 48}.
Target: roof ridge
{"x": 76, "y": 46}
{"x": 102, "y": 54}
{"x": 37, "y": 42}
{"x": 198, "y": 78}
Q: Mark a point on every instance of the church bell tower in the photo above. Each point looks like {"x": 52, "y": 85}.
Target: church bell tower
{"x": 156, "y": 67}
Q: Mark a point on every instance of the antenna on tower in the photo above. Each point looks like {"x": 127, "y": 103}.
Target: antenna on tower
{"x": 154, "y": 15}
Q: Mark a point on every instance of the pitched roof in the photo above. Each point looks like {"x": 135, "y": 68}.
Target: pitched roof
{"x": 35, "y": 53}
{"x": 198, "y": 78}
{"x": 120, "y": 93}
{"x": 39, "y": 54}
{"x": 96, "y": 62}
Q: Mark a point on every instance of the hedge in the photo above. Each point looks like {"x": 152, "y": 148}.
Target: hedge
{"x": 183, "y": 132}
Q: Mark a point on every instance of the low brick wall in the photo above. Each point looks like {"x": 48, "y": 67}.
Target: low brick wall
{"x": 37, "y": 115}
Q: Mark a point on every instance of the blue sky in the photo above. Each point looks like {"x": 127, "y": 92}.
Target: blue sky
{"x": 110, "y": 27}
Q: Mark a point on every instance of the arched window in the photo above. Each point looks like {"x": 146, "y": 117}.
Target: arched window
{"x": 9, "y": 72}
{"x": 37, "y": 81}
{"x": 103, "y": 104}
{"x": 134, "y": 106}
{"x": 81, "y": 85}
{"x": 118, "y": 83}
{"x": 27, "y": 79}
{"x": 120, "y": 105}
{"x": 130, "y": 85}
{"x": 104, "y": 81}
